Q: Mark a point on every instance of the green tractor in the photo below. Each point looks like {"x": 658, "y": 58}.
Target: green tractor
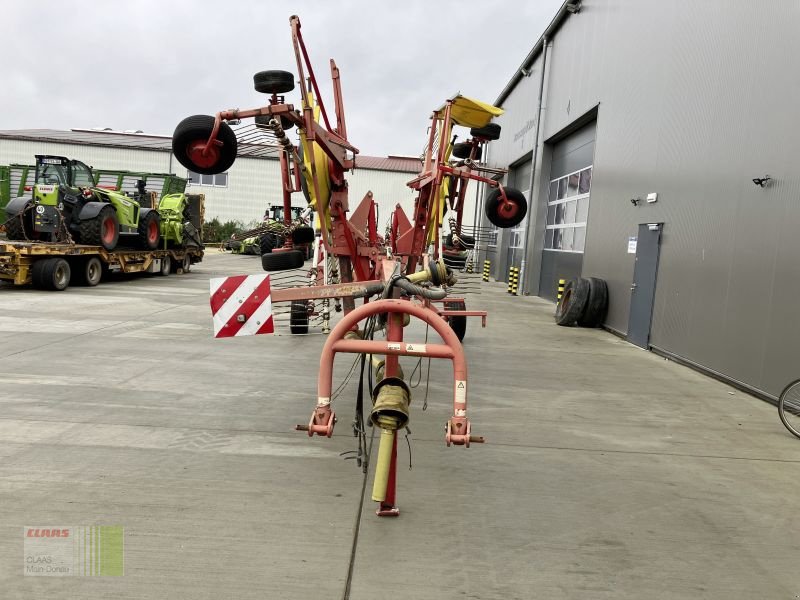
{"x": 65, "y": 206}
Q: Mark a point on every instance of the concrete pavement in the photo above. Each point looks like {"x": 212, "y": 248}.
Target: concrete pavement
{"x": 608, "y": 473}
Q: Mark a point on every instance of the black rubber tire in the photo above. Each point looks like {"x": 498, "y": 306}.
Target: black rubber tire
{"x": 166, "y": 266}
{"x": 273, "y": 82}
{"x": 789, "y": 401}
{"x": 51, "y": 274}
{"x": 146, "y": 241}
{"x": 458, "y": 324}
{"x": 298, "y": 317}
{"x": 91, "y": 231}
{"x": 267, "y": 243}
{"x": 499, "y": 217}
{"x": 197, "y": 129}
{"x": 234, "y": 245}
{"x": 463, "y": 150}
{"x": 19, "y": 228}
{"x": 487, "y": 132}
{"x": 303, "y": 235}
{"x": 186, "y": 264}
{"x": 573, "y": 302}
{"x": 86, "y": 271}
{"x": 597, "y": 305}
{"x": 286, "y": 124}
{"x": 282, "y": 261}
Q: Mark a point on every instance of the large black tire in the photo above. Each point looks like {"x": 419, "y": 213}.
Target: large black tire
{"x": 505, "y": 215}
{"x": 51, "y": 274}
{"x": 282, "y": 261}
{"x": 166, "y": 266}
{"x": 190, "y": 137}
{"x": 597, "y": 305}
{"x": 149, "y": 230}
{"x": 265, "y": 119}
{"x": 267, "y": 243}
{"x": 18, "y": 227}
{"x": 87, "y": 271}
{"x": 463, "y": 150}
{"x": 487, "y": 132}
{"x": 298, "y": 317}
{"x": 102, "y": 230}
{"x": 303, "y": 235}
{"x": 273, "y": 82}
{"x": 458, "y": 324}
{"x": 573, "y": 302}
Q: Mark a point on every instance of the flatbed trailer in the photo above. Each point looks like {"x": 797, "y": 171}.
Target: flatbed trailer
{"x": 42, "y": 263}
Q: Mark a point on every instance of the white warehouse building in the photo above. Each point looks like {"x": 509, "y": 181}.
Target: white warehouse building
{"x": 241, "y": 194}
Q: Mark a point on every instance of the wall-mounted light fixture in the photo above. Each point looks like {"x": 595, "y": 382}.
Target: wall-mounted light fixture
{"x": 574, "y": 7}
{"x": 524, "y": 72}
{"x": 762, "y": 181}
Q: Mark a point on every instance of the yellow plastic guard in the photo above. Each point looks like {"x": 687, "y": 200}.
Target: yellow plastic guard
{"x": 468, "y": 112}
{"x": 321, "y": 167}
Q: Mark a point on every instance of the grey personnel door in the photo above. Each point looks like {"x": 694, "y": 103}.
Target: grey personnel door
{"x": 643, "y": 289}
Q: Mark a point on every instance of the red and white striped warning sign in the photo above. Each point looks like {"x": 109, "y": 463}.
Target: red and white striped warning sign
{"x": 241, "y": 305}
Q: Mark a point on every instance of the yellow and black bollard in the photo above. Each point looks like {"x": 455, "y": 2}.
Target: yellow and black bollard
{"x": 513, "y": 280}
{"x": 561, "y": 284}
{"x": 487, "y": 266}
{"x": 510, "y": 279}
{"x": 469, "y": 264}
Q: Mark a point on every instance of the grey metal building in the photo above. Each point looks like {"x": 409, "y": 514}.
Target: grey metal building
{"x": 640, "y": 127}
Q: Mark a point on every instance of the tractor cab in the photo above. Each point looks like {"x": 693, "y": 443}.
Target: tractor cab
{"x": 58, "y": 170}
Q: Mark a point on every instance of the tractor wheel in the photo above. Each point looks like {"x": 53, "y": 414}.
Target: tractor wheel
{"x": 487, "y": 132}
{"x": 166, "y": 266}
{"x": 88, "y": 271}
{"x": 573, "y": 302}
{"x": 18, "y": 227}
{"x": 298, "y": 318}
{"x": 51, "y": 274}
{"x": 458, "y": 324}
{"x": 267, "y": 243}
{"x": 286, "y": 124}
{"x": 464, "y": 149}
{"x": 282, "y": 261}
{"x": 506, "y": 214}
{"x": 597, "y": 304}
{"x": 102, "y": 230}
{"x": 190, "y": 138}
{"x": 149, "y": 230}
{"x": 303, "y": 235}
{"x": 273, "y": 82}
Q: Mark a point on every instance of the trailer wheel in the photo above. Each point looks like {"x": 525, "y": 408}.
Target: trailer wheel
{"x": 303, "y": 235}
{"x": 458, "y": 324}
{"x": 186, "y": 265}
{"x": 596, "y": 305}
{"x": 149, "y": 230}
{"x": 51, "y": 274}
{"x": 86, "y": 271}
{"x": 286, "y": 124}
{"x": 166, "y": 266}
{"x": 102, "y": 230}
{"x": 189, "y": 141}
{"x": 464, "y": 149}
{"x": 487, "y": 132}
{"x": 298, "y": 317}
{"x": 273, "y": 82}
{"x": 282, "y": 261}
{"x": 573, "y": 302}
{"x": 506, "y": 214}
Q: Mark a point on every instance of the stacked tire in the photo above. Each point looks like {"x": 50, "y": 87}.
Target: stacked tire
{"x": 584, "y": 302}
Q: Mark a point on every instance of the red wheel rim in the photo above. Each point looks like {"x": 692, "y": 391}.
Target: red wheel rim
{"x": 201, "y": 157}
{"x": 108, "y": 230}
{"x": 152, "y": 232}
{"x": 508, "y": 209}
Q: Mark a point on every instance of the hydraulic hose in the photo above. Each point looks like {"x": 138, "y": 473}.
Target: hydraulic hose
{"x": 416, "y": 290}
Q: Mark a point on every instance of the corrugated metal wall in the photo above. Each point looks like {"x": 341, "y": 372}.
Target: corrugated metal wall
{"x": 694, "y": 100}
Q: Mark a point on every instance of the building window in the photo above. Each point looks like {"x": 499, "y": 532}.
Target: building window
{"x": 568, "y": 211}
{"x": 218, "y": 180}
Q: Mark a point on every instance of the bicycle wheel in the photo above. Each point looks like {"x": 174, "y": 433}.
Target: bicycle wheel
{"x": 789, "y": 407}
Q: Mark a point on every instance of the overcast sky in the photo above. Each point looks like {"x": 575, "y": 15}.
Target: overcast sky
{"x": 146, "y": 64}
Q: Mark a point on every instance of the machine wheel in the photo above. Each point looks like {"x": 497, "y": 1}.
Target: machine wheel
{"x": 487, "y": 132}
{"x": 298, "y": 318}
{"x": 597, "y": 305}
{"x": 506, "y": 214}
{"x": 573, "y": 302}
{"x": 88, "y": 271}
{"x": 51, "y": 274}
{"x": 186, "y": 264}
{"x": 458, "y": 324}
{"x": 464, "y": 149}
{"x": 18, "y": 227}
{"x": 286, "y": 124}
{"x": 102, "y": 230}
{"x": 190, "y": 138}
{"x": 149, "y": 230}
{"x": 303, "y": 235}
{"x": 273, "y": 82}
{"x": 789, "y": 407}
{"x": 282, "y": 261}
{"x": 267, "y": 243}
{"x": 166, "y": 266}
